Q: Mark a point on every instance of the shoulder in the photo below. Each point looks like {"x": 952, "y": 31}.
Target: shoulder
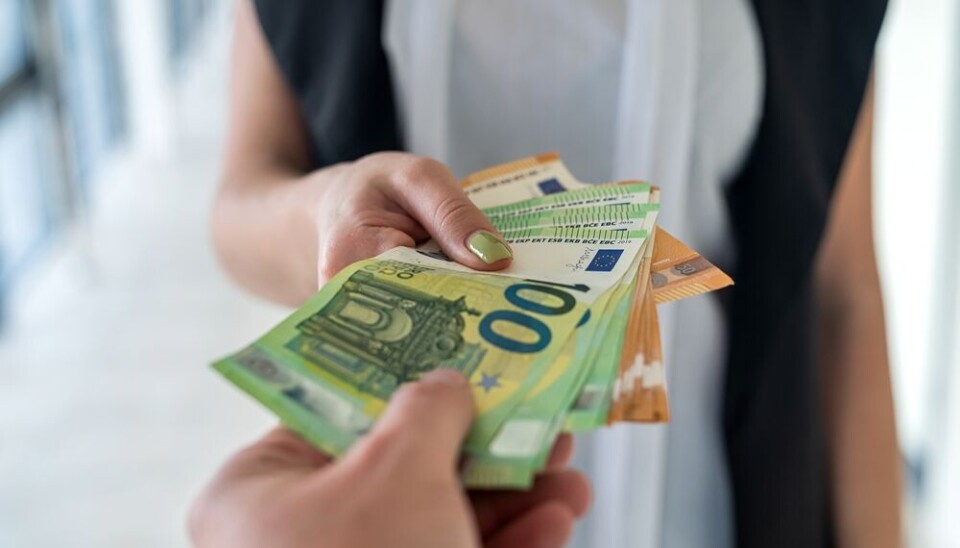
{"x": 331, "y": 54}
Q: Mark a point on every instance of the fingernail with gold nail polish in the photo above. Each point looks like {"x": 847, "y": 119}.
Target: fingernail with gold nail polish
{"x": 488, "y": 247}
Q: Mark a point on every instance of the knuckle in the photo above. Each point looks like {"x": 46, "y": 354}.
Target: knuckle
{"x": 360, "y": 239}
{"x": 325, "y": 273}
{"x": 392, "y": 447}
{"x": 375, "y": 448}
{"x": 416, "y": 171}
{"x": 287, "y": 446}
{"x": 452, "y": 213}
{"x": 391, "y": 239}
{"x": 377, "y": 158}
{"x": 332, "y": 258}
{"x": 426, "y": 166}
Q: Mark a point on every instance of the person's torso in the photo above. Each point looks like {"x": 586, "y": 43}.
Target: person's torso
{"x": 520, "y": 77}
{"x": 527, "y": 77}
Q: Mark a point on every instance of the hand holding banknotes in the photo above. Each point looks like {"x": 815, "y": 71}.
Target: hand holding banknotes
{"x": 396, "y": 487}
{"x": 563, "y": 338}
{"x": 392, "y": 199}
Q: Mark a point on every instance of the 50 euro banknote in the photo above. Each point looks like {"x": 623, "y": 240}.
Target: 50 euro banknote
{"x": 554, "y": 197}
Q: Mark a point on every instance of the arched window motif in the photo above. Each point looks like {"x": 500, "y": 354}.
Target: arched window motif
{"x": 377, "y": 334}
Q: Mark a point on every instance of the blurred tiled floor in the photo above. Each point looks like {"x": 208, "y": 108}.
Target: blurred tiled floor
{"x": 110, "y": 417}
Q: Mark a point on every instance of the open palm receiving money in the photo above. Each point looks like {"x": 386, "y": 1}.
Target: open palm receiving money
{"x": 565, "y": 338}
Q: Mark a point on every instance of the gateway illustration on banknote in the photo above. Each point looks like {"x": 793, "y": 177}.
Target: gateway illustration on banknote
{"x": 375, "y": 335}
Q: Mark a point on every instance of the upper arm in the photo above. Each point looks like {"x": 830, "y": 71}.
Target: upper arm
{"x": 266, "y": 128}
{"x": 846, "y": 268}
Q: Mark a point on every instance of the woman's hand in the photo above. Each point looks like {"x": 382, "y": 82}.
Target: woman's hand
{"x": 392, "y": 199}
{"x": 281, "y": 229}
{"x": 396, "y": 487}
{"x": 284, "y": 235}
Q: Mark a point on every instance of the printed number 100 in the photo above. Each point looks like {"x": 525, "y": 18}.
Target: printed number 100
{"x": 543, "y": 336}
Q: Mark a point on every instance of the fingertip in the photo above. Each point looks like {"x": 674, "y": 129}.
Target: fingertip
{"x": 547, "y": 525}
{"x": 561, "y": 453}
{"x": 580, "y": 494}
{"x": 556, "y": 522}
{"x": 562, "y": 519}
{"x": 440, "y": 390}
{"x": 447, "y": 377}
{"x": 570, "y": 487}
{"x": 426, "y": 420}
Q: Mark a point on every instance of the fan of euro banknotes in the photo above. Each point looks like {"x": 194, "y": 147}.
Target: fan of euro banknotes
{"x": 565, "y": 339}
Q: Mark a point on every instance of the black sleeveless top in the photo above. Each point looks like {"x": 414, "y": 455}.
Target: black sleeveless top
{"x": 818, "y": 56}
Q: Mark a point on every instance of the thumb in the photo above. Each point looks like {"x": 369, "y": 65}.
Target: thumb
{"x": 428, "y": 191}
{"x": 423, "y": 425}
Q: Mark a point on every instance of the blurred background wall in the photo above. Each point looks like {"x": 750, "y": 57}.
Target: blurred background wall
{"x": 111, "y": 304}
{"x": 111, "y": 123}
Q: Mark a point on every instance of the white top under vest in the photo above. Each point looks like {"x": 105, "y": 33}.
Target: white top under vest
{"x": 668, "y": 91}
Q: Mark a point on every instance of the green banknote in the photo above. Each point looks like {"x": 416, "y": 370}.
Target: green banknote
{"x": 523, "y": 442}
{"x": 540, "y": 341}
{"x": 589, "y": 409}
{"x": 592, "y": 196}
{"x": 597, "y": 217}
{"x": 512, "y": 457}
{"x": 588, "y": 260}
{"x": 591, "y": 404}
{"x": 328, "y": 370}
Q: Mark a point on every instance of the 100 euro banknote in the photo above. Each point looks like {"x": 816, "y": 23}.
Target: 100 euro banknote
{"x": 328, "y": 370}
{"x": 566, "y": 336}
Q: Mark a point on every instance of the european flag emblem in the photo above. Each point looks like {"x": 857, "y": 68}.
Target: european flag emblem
{"x": 604, "y": 260}
{"x": 551, "y": 186}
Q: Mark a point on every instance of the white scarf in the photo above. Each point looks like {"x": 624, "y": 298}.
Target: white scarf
{"x": 654, "y": 143}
